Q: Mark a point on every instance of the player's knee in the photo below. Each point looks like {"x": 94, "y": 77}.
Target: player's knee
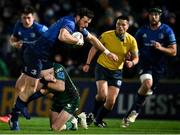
{"x": 146, "y": 80}
{"x": 101, "y": 97}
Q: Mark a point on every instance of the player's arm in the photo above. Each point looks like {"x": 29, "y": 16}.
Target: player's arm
{"x": 133, "y": 57}
{"x": 59, "y": 85}
{"x": 15, "y": 42}
{"x": 66, "y": 37}
{"x": 171, "y": 50}
{"x": 91, "y": 54}
{"x": 97, "y": 44}
{"x": 133, "y": 60}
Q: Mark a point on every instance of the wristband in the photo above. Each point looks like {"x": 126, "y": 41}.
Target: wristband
{"x": 87, "y": 64}
{"x": 106, "y": 51}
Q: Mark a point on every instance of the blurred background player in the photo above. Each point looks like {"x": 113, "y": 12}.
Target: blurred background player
{"x": 156, "y": 41}
{"x": 108, "y": 73}
{"x": 38, "y": 56}
{"x": 26, "y": 30}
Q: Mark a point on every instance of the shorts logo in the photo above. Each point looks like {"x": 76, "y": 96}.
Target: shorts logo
{"x": 119, "y": 82}
{"x": 34, "y": 72}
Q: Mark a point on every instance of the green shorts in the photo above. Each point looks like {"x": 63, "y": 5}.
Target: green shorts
{"x": 70, "y": 107}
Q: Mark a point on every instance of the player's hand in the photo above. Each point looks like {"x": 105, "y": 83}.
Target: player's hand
{"x": 80, "y": 42}
{"x": 18, "y": 44}
{"x": 157, "y": 45}
{"x": 86, "y": 67}
{"x": 50, "y": 78}
{"x": 129, "y": 64}
{"x": 112, "y": 56}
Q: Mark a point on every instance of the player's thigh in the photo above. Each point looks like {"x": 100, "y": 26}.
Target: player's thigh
{"x": 20, "y": 83}
{"x": 30, "y": 87}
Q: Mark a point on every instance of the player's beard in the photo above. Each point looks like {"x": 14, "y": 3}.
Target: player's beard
{"x": 154, "y": 23}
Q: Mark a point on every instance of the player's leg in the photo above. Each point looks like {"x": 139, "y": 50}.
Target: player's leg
{"x": 19, "y": 86}
{"x": 59, "y": 121}
{"x": 148, "y": 84}
{"x": 108, "y": 106}
{"x": 100, "y": 98}
{"x": 102, "y": 88}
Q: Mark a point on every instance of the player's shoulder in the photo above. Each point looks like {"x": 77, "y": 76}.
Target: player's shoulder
{"x": 165, "y": 27}
{"x": 38, "y": 25}
{"x": 58, "y": 67}
{"x": 107, "y": 33}
{"x": 69, "y": 19}
{"x": 129, "y": 36}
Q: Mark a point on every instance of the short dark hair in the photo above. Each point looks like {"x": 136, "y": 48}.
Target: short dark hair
{"x": 85, "y": 12}
{"x": 122, "y": 17}
{"x": 156, "y": 10}
{"x": 28, "y": 9}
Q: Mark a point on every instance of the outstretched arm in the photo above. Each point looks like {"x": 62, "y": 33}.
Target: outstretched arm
{"x": 97, "y": 44}
{"x": 91, "y": 54}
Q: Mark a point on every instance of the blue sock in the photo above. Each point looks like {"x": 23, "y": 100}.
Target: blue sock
{"x": 22, "y": 107}
{"x": 101, "y": 114}
{"x": 35, "y": 96}
{"x": 138, "y": 104}
{"x": 15, "y": 114}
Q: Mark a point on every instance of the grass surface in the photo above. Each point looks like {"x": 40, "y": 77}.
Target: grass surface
{"x": 41, "y": 126}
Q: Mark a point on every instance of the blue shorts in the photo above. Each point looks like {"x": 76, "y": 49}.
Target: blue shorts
{"x": 33, "y": 64}
{"x": 113, "y": 77}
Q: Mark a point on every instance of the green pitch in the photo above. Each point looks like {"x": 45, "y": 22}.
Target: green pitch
{"x": 41, "y": 126}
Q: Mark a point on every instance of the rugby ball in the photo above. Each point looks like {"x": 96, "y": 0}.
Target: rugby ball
{"x": 78, "y": 35}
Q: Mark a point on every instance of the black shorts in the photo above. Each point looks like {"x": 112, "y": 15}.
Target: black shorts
{"x": 113, "y": 77}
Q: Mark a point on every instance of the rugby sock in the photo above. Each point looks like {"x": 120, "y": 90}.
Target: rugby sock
{"x": 138, "y": 104}
{"x": 69, "y": 125}
{"x": 97, "y": 105}
{"x": 35, "y": 96}
{"x": 15, "y": 114}
{"x": 22, "y": 106}
{"x": 101, "y": 114}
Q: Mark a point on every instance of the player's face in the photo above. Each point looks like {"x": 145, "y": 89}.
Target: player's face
{"x": 154, "y": 18}
{"x": 121, "y": 26}
{"x": 83, "y": 22}
{"x": 27, "y": 20}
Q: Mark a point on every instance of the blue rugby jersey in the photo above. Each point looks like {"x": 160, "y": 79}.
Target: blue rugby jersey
{"x": 44, "y": 46}
{"x": 28, "y": 35}
{"x": 149, "y": 56}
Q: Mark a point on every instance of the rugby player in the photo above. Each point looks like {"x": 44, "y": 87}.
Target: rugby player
{"x": 108, "y": 73}
{"x": 27, "y": 29}
{"x": 38, "y": 55}
{"x": 156, "y": 42}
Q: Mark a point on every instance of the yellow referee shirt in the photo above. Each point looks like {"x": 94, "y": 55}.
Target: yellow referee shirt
{"x": 118, "y": 47}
